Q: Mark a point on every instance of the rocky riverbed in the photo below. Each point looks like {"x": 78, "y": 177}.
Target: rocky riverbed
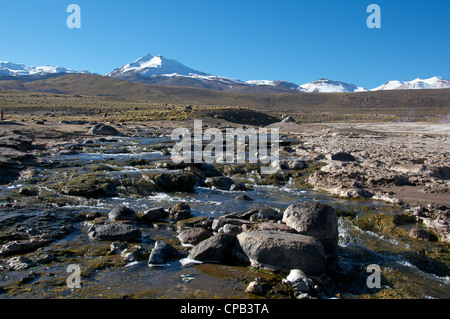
{"x": 107, "y": 198}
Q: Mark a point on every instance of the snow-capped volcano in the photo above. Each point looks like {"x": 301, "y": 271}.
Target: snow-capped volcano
{"x": 16, "y": 70}
{"x": 435, "y": 82}
{"x": 149, "y": 65}
{"x": 329, "y": 86}
{"x": 160, "y": 70}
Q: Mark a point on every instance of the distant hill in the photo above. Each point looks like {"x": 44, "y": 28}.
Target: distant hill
{"x": 95, "y": 85}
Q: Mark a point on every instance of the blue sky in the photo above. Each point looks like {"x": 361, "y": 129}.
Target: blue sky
{"x": 294, "y": 40}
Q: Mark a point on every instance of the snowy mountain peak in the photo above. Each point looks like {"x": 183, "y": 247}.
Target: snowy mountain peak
{"x": 150, "y": 65}
{"x": 16, "y": 69}
{"x": 328, "y": 86}
{"x": 435, "y": 82}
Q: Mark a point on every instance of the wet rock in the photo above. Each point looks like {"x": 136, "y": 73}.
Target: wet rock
{"x": 121, "y": 232}
{"x": 42, "y": 257}
{"x": 197, "y": 171}
{"x": 203, "y": 222}
{"x": 174, "y": 181}
{"x": 420, "y": 234}
{"x": 314, "y": 219}
{"x": 121, "y": 212}
{"x": 29, "y": 191}
{"x": 180, "y": 211}
{"x": 162, "y": 253}
{"x": 20, "y": 247}
{"x": 214, "y": 249}
{"x": 243, "y": 197}
{"x": 133, "y": 254}
{"x": 266, "y": 214}
{"x": 254, "y": 287}
{"x": 19, "y": 263}
{"x": 91, "y": 185}
{"x": 117, "y": 247}
{"x": 280, "y": 251}
{"x": 299, "y": 281}
{"x": 193, "y": 236}
{"x": 153, "y": 215}
{"x": 103, "y": 129}
{"x": 220, "y": 182}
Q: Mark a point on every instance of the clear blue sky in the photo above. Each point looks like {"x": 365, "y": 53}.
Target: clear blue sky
{"x": 294, "y": 40}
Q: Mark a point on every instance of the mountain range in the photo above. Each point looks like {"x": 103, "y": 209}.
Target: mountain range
{"x": 163, "y": 71}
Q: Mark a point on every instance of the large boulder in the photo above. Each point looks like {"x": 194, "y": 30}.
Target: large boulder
{"x": 116, "y": 232}
{"x": 174, "y": 181}
{"x": 180, "y": 211}
{"x": 103, "y": 129}
{"x": 280, "y": 251}
{"x": 121, "y": 212}
{"x": 193, "y": 236}
{"x": 214, "y": 249}
{"x": 162, "y": 253}
{"x": 90, "y": 185}
{"x": 153, "y": 215}
{"x": 314, "y": 219}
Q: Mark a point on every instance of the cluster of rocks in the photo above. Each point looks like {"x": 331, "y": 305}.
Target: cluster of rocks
{"x": 24, "y": 243}
{"x": 436, "y": 218}
{"x": 304, "y": 237}
{"x": 373, "y": 161}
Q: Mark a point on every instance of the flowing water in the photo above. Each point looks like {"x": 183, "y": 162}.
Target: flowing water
{"x": 402, "y": 269}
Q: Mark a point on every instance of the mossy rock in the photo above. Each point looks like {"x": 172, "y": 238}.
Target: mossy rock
{"x": 173, "y": 181}
{"x": 277, "y": 179}
{"x": 377, "y": 222}
{"x": 90, "y": 185}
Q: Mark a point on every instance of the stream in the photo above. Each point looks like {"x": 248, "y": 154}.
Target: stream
{"x": 405, "y": 272}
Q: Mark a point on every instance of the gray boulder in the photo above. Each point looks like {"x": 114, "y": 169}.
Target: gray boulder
{"x": 195, "y": 235}
{"x": 113, "y": 232}
{"x": 280, "y": 251}
{"x": 180, "y": 211}
{"x": 314, "y": 219}
{"x": 174, "y": 181}
{"x": 162, "y": 253}
{"x": 153, "y": 215}
{"x": 214, "y": 249}
{"x": 121, "y": 212}
{"x": 103, "y": 129}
